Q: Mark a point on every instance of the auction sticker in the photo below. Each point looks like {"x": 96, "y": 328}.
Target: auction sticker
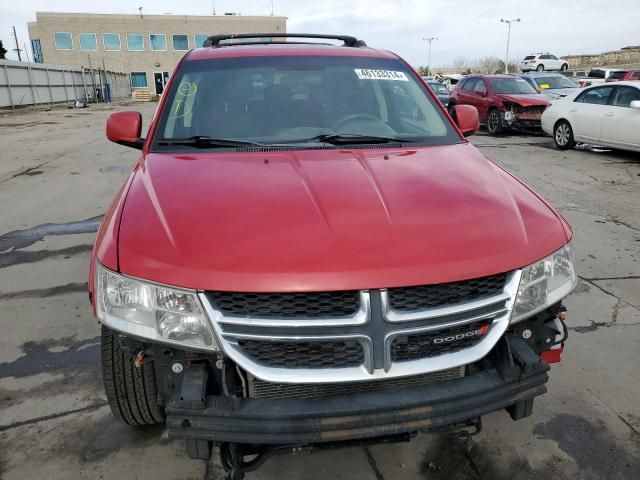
{"x": 369, "y": 74}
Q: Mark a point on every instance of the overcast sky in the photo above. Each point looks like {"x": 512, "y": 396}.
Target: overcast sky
{"x": 469, "y": 28}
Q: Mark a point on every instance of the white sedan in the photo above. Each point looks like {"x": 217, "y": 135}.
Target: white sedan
{"x": 607, "y": 114}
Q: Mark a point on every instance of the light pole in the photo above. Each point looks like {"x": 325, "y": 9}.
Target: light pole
{"x": 429, "y": 40}
{"x": 506, "y": 58}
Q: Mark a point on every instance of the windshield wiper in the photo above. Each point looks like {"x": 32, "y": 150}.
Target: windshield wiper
{"x": 351, "y": 139}
{"x": 202, "y": 141}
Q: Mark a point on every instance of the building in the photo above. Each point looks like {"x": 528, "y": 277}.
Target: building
{"x": 625, "y": 57}
{"x": 147, "y": 47}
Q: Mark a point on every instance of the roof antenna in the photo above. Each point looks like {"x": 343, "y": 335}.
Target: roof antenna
{"x": 140, "y": 10}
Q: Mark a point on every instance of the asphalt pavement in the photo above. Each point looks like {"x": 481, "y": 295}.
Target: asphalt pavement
{"x": 58, "y": 174}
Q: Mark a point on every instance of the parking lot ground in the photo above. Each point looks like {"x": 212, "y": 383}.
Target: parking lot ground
{"x": 58, "y": 174}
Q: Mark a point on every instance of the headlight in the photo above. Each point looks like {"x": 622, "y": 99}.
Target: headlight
{"x": 545, "y": 283}
{"x": 151, "y": 311}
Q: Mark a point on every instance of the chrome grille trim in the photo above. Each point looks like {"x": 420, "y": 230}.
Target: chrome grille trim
{"x": 372, "y": 335}
{"x": 361, "y": 317}
{"x": 396, "y": 316}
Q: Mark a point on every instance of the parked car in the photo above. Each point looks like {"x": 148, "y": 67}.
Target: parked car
{"x": 606, "y": 115}
{"x": 502, "y": 101}
{"x": 441, "y": 92}
{"x": 598, "y": 75}
{"x": 553, "y": 85}
{"x": 316, "y": 263}
{"x": 623, "y": 76}
{"x": 543, "y": 61}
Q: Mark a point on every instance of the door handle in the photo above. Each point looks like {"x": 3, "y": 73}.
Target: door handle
{"x": 573, "y": 110}
{"x": 609, "y": 114}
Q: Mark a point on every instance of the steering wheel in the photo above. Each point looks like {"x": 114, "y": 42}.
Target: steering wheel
{"x": 356, "y": 116}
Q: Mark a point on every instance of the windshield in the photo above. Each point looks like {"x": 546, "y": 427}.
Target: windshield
{"x": 438, "y": 87}
{"x": 289, "y": 99}
{"x": 510, "y": 85}
{"x": 552, "y": 82}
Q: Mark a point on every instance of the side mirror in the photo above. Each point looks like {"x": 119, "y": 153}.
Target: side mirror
{"x": 635, "y": 104}
{"x": 467, "y": 119}
{"x": 124, "y": 128}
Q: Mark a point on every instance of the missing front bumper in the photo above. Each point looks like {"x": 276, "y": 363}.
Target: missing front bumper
{"x": 364, "y": 415}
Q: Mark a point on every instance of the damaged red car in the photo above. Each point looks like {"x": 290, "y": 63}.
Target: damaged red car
{"x": 309, "y": 254}
{"x": 503, "y": 101}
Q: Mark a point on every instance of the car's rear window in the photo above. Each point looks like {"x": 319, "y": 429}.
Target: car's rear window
{"x": 286, "y": 99}
{"x": 617, "y": 75}
{"x": 438, "y": 87}
{"x": 553, "y": 82}
{"x": 510, "y": 86}
{"x": 529, "y": 57}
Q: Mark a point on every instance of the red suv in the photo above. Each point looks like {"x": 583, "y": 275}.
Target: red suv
{"x": 502, "y": 101}
{"x": 309, "y": 252}
{"x": 623, "y": 75}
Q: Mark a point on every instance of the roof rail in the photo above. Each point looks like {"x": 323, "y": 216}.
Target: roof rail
{"x": 214, "y": 40}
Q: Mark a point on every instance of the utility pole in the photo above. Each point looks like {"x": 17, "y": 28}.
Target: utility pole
{"x": 17, "y": 49}
{"x": 429, "y": 40}
{"x": 506, "y": 57}
{"x": 26, "y": 52}
{"x": 272, "y": 8}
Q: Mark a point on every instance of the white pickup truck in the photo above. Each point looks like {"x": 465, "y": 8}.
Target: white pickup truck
{"x": 597, "y": 75}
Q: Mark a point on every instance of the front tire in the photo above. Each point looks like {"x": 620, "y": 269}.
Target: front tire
{"x": 564, "y": 67}
{"x": 131, "y": 390}
{"x": 494, "y": 122}
{"x": 540, "y": 68}
{"x": 563, "y": 135}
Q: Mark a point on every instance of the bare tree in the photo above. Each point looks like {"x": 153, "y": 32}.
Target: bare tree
{"x": 486, "y": 65}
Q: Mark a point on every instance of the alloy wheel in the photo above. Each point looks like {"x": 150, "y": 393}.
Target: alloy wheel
{"x": 563, "y": 134}
{"x": 493, "y": 122}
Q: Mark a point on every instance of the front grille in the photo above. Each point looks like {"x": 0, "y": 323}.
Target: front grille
{"x": 437, "y": 295}
{"x": 304, "y": 354}
{"x": 423, "y": 345}
{"x": 313, "y": 304}
{"x": 262, "y": 389}
{"x": 537, "y": 109}
{"x": 350, "y": 336}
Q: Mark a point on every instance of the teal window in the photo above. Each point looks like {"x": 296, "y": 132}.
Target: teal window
{"x": 158, "y": 41}
{"x": 111, "y": 41}
{"x": 200, "y": 39}
{"x": 37, "y": 50}
{"x": 63, "y": 41}
{"x": 180, "y": 42}
{"x": 135, "y": 42}
{"x": 88, "y": 41}
{"x": 138, "y": 79}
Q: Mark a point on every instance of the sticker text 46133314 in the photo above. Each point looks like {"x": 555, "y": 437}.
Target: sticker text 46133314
{"x": 369, "y": 74}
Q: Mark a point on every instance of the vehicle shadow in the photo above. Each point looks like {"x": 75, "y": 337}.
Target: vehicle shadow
{"x": 613, "y": 156}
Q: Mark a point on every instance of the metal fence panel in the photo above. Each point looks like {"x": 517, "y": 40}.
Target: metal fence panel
{"x": 23, "y": 83}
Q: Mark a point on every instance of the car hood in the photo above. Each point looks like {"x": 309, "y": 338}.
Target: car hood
{"x": 329, "y": 219}
{"x": 525, "y": 100}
